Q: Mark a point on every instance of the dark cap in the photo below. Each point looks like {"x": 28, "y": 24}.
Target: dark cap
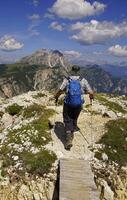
{"x": 75, "y": 68}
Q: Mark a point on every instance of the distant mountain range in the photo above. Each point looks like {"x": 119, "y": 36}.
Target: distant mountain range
{"x": 116, "y": 70}
{"x": 45, "y": 70}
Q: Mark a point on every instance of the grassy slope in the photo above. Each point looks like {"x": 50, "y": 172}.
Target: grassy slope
{"x": 35, "y": 135}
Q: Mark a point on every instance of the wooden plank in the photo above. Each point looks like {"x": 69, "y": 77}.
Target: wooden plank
{"x": 76, "y": 181}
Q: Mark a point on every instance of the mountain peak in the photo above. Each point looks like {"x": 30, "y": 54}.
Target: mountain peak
{"x": 50, "y": 58}
{"x": 57, "y": 52}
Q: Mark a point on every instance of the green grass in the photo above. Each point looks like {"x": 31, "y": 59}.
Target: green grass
{"x": 124, "y": 98}
{"x": 98, "y": 155}
{"x": 33, "y": 110}
{"x": 39, "y": 95}
{"x": 38, "y": 135}
{"x": 14, "y": 109}
{"x": 115, "y": 141}
{"x": 111, "y": 105}
{"x": 38, "y": 163}
{"x": 89, "y": 108}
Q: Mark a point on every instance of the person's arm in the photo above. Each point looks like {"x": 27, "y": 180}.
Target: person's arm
{"x": 87, "y": 87}
{"x": 57, "y": 94}
{"x": 61, "y": 90}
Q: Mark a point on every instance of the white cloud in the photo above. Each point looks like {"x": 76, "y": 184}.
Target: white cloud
{"x": 117, "y": 50}
{"x": 8, "y": 43}
{"x": 98, "y": 53}
{"x": 49, "y": 16}
{"x": 35, "y": 2}
{"x": 33, "y": 32}
{"x": 76, "y": 9}
{"x": 95, "y": 32}
{"x": 35, "y": 22}
{"x": 34, "y": 17}
{"x": 7, "y": 59}
{"x": 55, "y": 25}
{"x": 72, "y": 53}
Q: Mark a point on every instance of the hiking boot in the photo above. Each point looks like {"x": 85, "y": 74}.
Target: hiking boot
{"x": 69, "y": 139}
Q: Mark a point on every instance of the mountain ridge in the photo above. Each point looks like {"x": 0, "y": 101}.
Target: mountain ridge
{"x": 45, "y": 69}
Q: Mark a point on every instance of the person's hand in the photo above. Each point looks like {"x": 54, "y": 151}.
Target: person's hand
{"x": 91, "y": 96}
{"x": 56, "y": 100}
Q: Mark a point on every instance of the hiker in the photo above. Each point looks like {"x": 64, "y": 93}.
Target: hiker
{"x": 74, "y": 88}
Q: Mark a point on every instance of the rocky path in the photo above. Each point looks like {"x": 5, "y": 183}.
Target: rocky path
{"x": 91, "y": 129}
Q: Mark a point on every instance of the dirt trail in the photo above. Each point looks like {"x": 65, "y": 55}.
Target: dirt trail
{"x": 91, "y": 129}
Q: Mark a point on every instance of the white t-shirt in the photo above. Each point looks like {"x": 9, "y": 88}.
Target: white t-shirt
{"x": 84, "y": 84}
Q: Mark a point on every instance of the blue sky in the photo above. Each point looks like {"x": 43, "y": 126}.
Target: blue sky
{"x": 90, "y": 31}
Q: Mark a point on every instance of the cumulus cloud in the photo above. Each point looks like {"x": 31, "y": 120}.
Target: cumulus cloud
{"x": 72, "y": 53}
{"x": 117, "y": 50}
{"x": 95, "y": 32}
{"x": 72, "y": 9}
{"x": 55, "y": 25}
{"x": 8, "y": 43}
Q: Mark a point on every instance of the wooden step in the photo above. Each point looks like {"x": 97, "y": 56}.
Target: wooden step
{"x": 77, "y": 181}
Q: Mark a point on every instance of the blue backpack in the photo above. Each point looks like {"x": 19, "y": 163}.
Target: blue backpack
{"x": 74, "y": 93}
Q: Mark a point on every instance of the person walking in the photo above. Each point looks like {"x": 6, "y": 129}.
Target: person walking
{"x": 74, "y": 87}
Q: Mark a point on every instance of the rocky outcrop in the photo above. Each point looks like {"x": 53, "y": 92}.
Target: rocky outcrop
{"x": 111, "y": 180}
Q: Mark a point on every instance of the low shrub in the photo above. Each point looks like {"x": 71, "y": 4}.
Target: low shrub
{"x": 33, "y": 110}
{"x": 38, "y": 163}
{"x": 115, "y": 141}
{"x": 14, "y": 109}
{"x": 39, "y": 95}
{"x": 110, "y": 104}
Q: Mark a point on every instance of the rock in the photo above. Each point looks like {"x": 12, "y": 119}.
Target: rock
{"x": 109, "y": 114}
{"x": 108, "y": 193}
{"x": 5, "y": 182}
{"x": 104, "y": 156}
{"x": 119, "y": 114}
{"x": 59, "y": 154}
{"x": 15, "y": 158}
{"x": 17, "y": 120}
{"x": 24, "y": 193}
{"x": 7, "y": 120}
{"x": 36, "y": 196}
{"x": 34, "y": 150}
